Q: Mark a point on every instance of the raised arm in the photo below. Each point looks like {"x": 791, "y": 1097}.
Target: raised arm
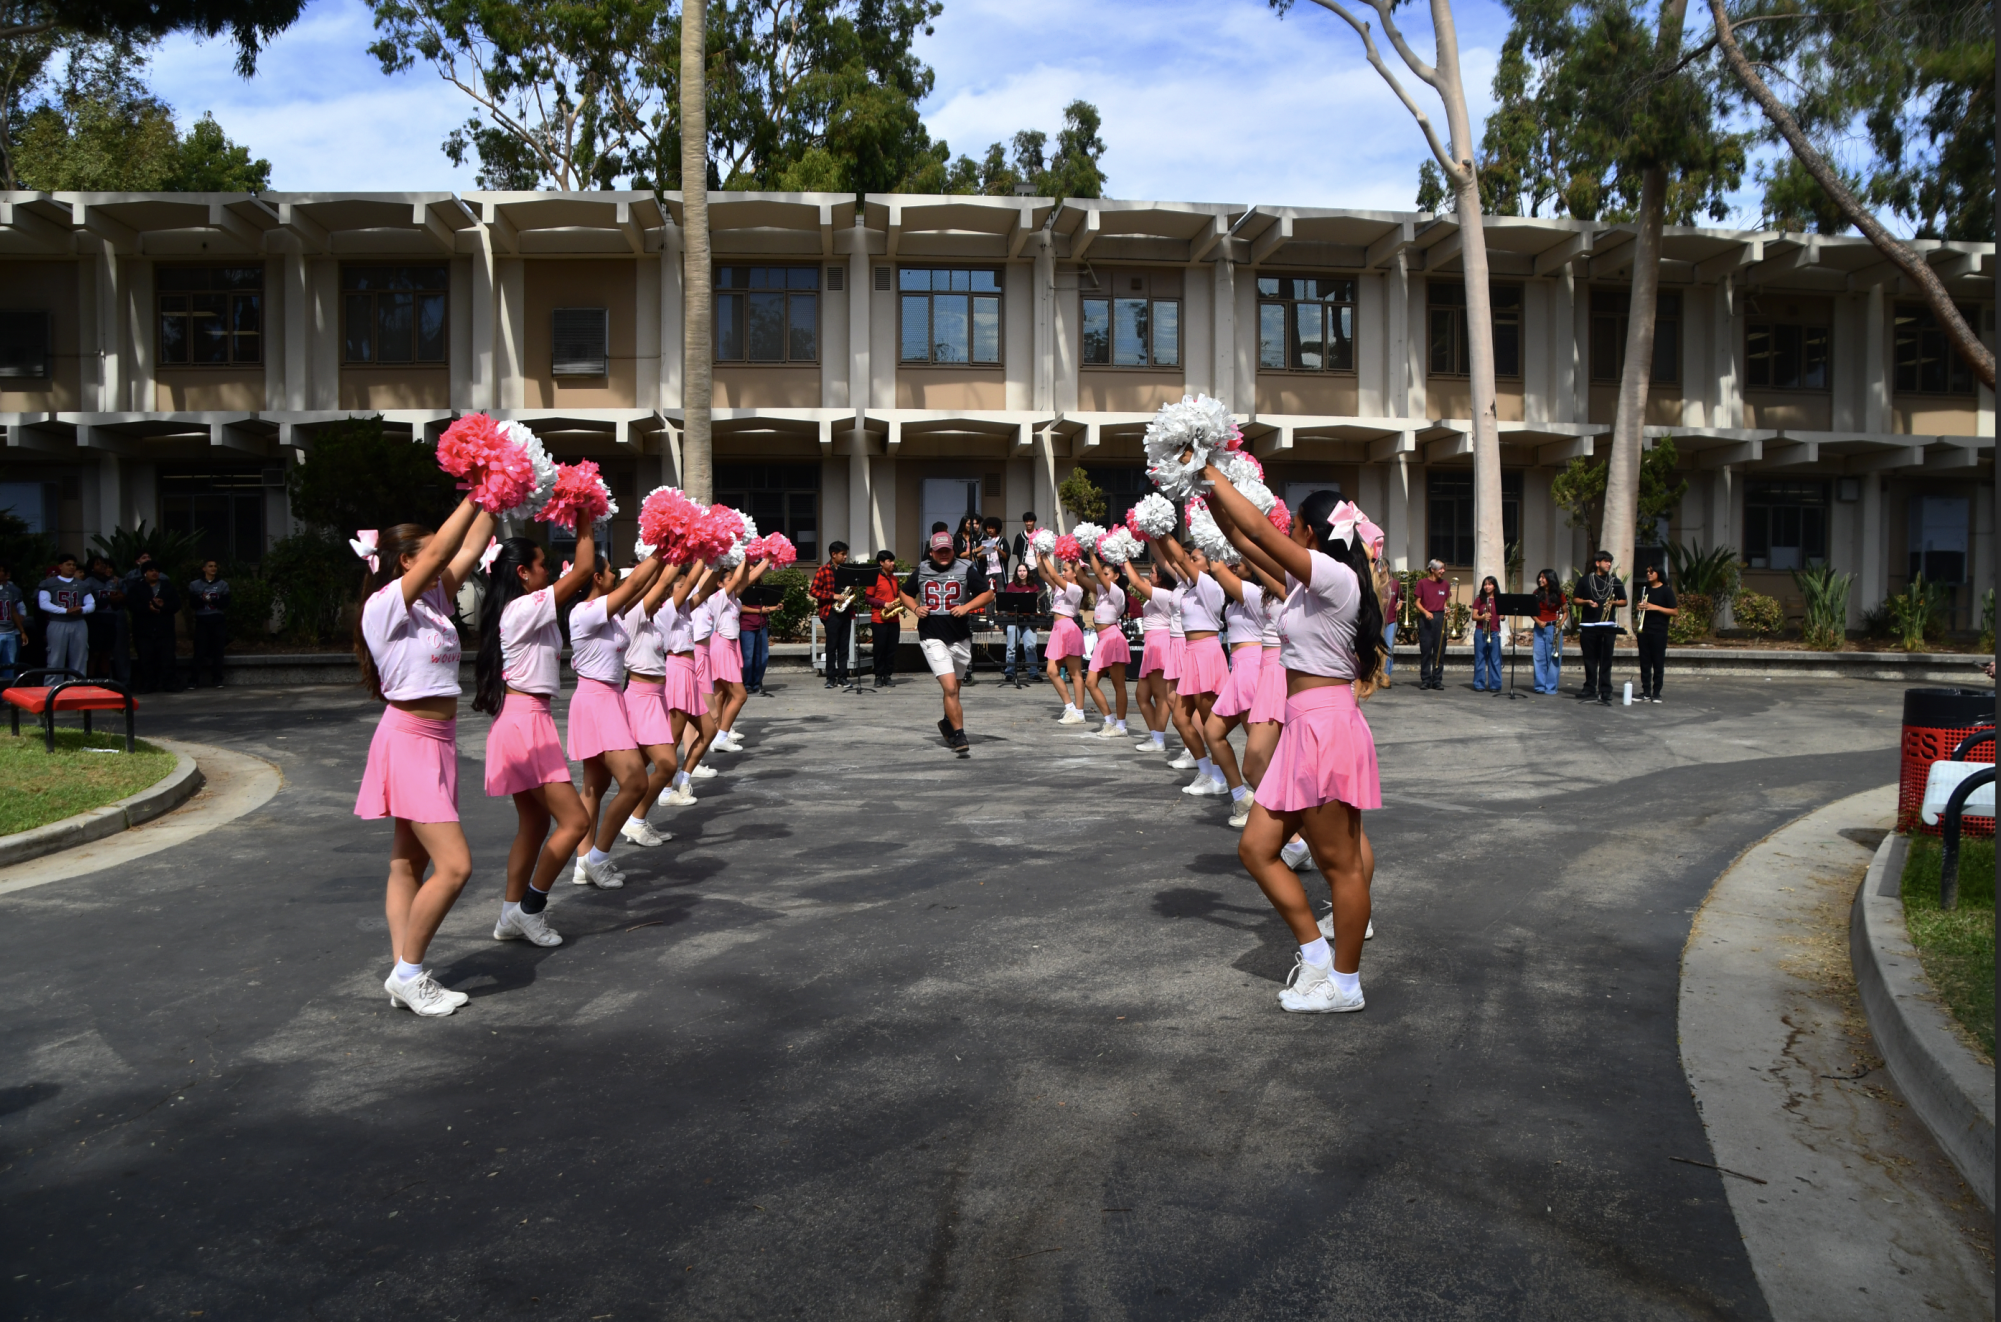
{"x": 431, "y": 562}
{"x": 581, "y": 569}
{"x": 1170, "y": 552}
{"x": 633, "y": 585}
{"x": 661, "y": 586}
{"x": 1251, "y": 531}
{"x": 1233, "y": 586}
{"x": 1139, "y": 583}
{"x": 1049, "y": 576}
{"x": 690, "y": 576}
{"x": 1252, "y": 553}
{"x": 467, "y": 559}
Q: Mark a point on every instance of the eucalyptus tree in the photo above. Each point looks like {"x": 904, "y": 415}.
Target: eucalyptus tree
{"x": 698, "y": 272}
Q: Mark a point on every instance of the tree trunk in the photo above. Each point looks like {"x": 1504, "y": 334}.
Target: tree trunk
{"x": 698, "y": 275}
{"x": 1622, "y": 472}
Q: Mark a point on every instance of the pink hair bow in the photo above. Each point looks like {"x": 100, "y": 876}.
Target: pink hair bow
{"x": 1372, "y": 536}
{"x": 489, "y": 555}
{"x": 1341, "y": 523}
{"x": 367, "y": 544}
{"x": 566, "y": 569}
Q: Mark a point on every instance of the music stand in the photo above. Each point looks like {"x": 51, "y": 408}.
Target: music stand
{"x": 1021, "y": 607}
{"x": 1515, "y": 604}
{"x": 861, "y": 578}
{"x": 762, "y": 597}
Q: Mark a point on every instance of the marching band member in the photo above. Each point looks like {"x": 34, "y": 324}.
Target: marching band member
{"x": 1550, "y": 608}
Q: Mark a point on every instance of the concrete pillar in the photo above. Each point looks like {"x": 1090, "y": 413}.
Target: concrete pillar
{"x": 1563, "y": 348}
{"x": 861, "y": 294}
{"x": 511, "y": 342}
{"x": 297, "y": 313}
{"x": 882, "y": 505}
{"x": 861, "y": 515}
{"x": 1723, "y": 363}
{"x": 1044, "y": 397}
{"x": 1873, "y": 558}
{"x": 1396, "y": 332}
{"x": 110, "y": 342}
{"x": 110, "y": 493}
{"x": 323, "y": 379}
{"x": 646, "y": 334}
{"x": 1398, "y": 520}
{"x": 1875, "y": 365}
{"x": 1224, "y": 373}
{"x": 485, "y": 334}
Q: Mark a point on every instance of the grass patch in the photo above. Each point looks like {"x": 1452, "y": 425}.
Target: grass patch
{"x": 37, "y": 787}
{"x": 1956, "y": 948}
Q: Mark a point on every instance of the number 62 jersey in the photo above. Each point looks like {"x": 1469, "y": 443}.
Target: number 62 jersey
{"x": 938, "y": 591}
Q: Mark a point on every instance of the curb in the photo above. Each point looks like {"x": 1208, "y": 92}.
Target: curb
{"x": 1941, "y": 1078}
{"x": 163, "y": 796}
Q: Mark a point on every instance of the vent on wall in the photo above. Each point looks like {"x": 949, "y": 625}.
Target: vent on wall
{"x": 836, "y": 279}
{"x": 579, "y": 342}
{"x": 882, "y": 279}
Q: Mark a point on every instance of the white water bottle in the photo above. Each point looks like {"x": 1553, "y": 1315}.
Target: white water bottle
{"x": 1629, "y": 693}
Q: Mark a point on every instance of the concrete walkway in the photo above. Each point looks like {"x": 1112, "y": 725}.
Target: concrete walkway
{"x": 1853, "y": 1212}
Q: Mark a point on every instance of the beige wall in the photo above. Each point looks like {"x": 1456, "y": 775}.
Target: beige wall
{"x": 195, "y": 389}
{"x": 1452, "y": 397}
{"x": 52, "y": 287}
{"x": 767, "y": 387}
{"x": 395, "y": 387}
{"x": 610, "y": 283}
{"x": 1663, "y": 405}
{"x": 1806, "y": 410}
{"x": 1324, "y": 393}
{"x": 1936, "y": 415}
{"x": 1128, "y": 390}
{"x": 980, "y": 388}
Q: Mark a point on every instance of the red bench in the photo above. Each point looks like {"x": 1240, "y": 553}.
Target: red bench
{"x": 73, "y": 693}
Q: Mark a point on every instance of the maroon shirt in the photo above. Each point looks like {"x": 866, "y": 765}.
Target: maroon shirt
{"x": 1432, "y": 593}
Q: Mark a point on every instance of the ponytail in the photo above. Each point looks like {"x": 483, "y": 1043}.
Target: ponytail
{"x": 503, "y": 585}
{"x": 392, "y": 544}
{"x": 1318, "y": 512}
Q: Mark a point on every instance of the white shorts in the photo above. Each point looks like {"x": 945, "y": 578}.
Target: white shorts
{"x": 947, "y": 658}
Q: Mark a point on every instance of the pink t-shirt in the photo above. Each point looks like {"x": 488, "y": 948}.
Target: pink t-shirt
{"x": 1068, "y": 601}
{"x": 415, "y": 647}
{"x": 1111, "y": 605}
{"x": 728, "y": 615}
{"x": 644, "y": 653}
{"x": 1202, "y": 605}
{"x": 1274, "y": 609}
{"x": 1174, "y": 595}
{"x": 597, "y": 641}
{"x": 1244, "y": 621}
{"x": 1156, "y": 614}
{"x": 530, "y": 642}
{"x": 1319, "y": 620}
{"x": 702, "y": 621}
{"x": 676, "y": 632}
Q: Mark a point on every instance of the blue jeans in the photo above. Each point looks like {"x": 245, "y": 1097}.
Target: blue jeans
{"x": 1548, "y": 657}
{"x": 1022, "y": 636}
{"x": 1486, "y": 660}
{"x": 756, "y": 645}
{"x": 10, "y": 648}
{"x": 1390, "y": 648}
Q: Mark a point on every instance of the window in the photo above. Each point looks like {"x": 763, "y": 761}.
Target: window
{"x": 1128, "y": 324}
{"x": 579, "y": 342}
{"x": 211, "y": 316}
{"x": 1927, "y": 364}
{"x": 1449, "y": 513}
{"x": 1938, "y": 538}
{"x": 224, "y": 510}
{"x": 1306, "y": 324}
{"x": 1123, "y": 488}
{"x": 767, "y": 314}
{"x": 781, "y": 497}
{"x": 950, "y": 316}
{"x": 394, "y": 314}
{"x": 24, "y": 342}
{"x": 1788, "y": 351}
{"x": 1610, "y": 315}
{"x": 1785, "y": 524}
{"x": 1447, "y": 329}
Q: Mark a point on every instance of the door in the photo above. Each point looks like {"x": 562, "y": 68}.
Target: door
{"x": 946, "y": 500}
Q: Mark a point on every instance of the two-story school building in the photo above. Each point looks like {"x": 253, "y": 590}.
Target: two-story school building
{"x": 888, "y": 362}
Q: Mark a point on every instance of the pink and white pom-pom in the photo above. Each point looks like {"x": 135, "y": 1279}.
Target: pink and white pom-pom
{"x": 1087, "y": 533}
{"x": 1066, "y": 549}
{"x": 490, "y": 465}
{"x": 580, "y": 497}
{"x": 778, "y": 548}
{"x": 539, "y": 460}
{"x": 1118, "y": 546}
{"x": 1281, "y": 518}
{"x": 666, "y": 517}
{"x": 1153, "y": 516}
{"x": 713, "y": 534}
{"x": 1044, "y": 541}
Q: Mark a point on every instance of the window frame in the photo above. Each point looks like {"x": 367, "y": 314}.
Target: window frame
{"x": 1461, "y": 348}
{"x": 1803, "y": 327}
{"x": 160, "y": 314}
{"x": 1620, "y": 324}
{"x": 1289, "y": 331}
{"x": 1462, "y": 493}
{"x": 741, "y": 298}
{"x": 740, "y": 482}
{"x": 998, "y": 294}
{"x": 444, "y": 360}
{"x": 1151, "y": 336}
{"x": 47, "y": 368}
{"x": 1765, "y": 487}
{"x": 1956, "y": 368}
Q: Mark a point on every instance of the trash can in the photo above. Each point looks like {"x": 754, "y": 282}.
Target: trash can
{"x": 1935, "y": 720}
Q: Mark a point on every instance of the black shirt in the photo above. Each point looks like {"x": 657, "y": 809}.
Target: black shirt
{"x": 1595, "y": 596}
{"x": 1655, "y": 625}
{"x": 939, "y": 590}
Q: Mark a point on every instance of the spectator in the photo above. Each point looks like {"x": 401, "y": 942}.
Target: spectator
{"x": 839, "y": 625}
{"x": 967, "y": 540}
{"x": 13, "y": 624}
{"x": 1024, "y": 544}
{"x": 885, "y": 634}
{"x": 1389, "y": 594}
{"x": 106, "y": 627}
{"x": 754, "y": 636}
{"x": 63, "y": 598}
{"x": 994, "y": 548}
{"x": 1433, "y": 594}
{"x": 153, "y": 603}
{"x": 1657, "y": 606}
{"x": 1487, "y": 637}
{"x": 209, "y": 595}
{"x": 1021, "y": 628}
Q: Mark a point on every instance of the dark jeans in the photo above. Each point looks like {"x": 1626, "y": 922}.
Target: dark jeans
{"x": 1431, "y": 646}
{"x": 840, "y": 629}
{"x": 756, "y": 656}
{"x": 1596, "y": 641}
{"x": 1653, "y": 662}
{"x": 211, "y": 633}
{"x": 886, "y": 637}
{"x": 101, "y": 627}
{"x": 156, "y": 662}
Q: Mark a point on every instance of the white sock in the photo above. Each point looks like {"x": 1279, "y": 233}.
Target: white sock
{"x": 596, "y": 857}
{"x": 508, "y": 908}
{"x": 1122, "y": 727}
{"x": 405, "y": 972}
{"x": 680, "y": 778}
{"x": 1204, "y": 767}
{"x": 1159, "y": 738}
{"x": 1348, "y": 983}
{"x": 1317, "y": 954}
{"x": 1240, "y": 793}
{"x": 1069, "y": 707}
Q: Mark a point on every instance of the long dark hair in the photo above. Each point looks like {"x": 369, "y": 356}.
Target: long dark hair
{"x": 1318, "y": 509}
{"x": 1548, "y": 588}
{"x": 503, "y": 585}
{"x": 392, "y": 544}
{"x": 1483, "y": 586}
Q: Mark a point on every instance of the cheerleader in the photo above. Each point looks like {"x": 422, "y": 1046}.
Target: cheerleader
{"x": 726, "y": 653}
{"x": 1065, "y": 650}
{"x": 646, "y": 704}
{"x": 1111, "y": 652}
{"x": 408, "y": 649}
{"x": 600, "y": 731}
{"x": 687, "y": 708}
{"x": 1203, "y": 671}
{"x": 518, "y": 674}
{"x": 702, "y": 622}
{"x": 1323, "y": 772}
{"x": 1244, "y": 625}
{"x": 1151, "y": 691}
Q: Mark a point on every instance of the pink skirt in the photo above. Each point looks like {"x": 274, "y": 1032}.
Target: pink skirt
{"x": 1268, "y": 705}
{"x": 522, "y": 751}
{"x": 1065, "y": 640}
{"x": 1176, "y": 649}
{"x": 1112, "y": 649}
{"x": 1246, "y": 669}
{"x": 1153, "y": 652}
{"x": 705, "y": 675}
{"x": 1326, "y": 753}
{"x": 646, "y": 713}
{"x": 726, "y": 659}
{"x": 413, "y": 769}
{"x": 597, "y": 722}
{"x": 683, "y": 688}
{"x": 1203, "y": 669}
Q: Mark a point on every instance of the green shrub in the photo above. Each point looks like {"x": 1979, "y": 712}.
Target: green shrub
{"x": 1758, "y": 613}
{"x": 315, "y": 577}
{"x": 177, "y": 553}
{"x": 1714, "y": 573}
{"x": 1826, "y": 593}
{"x": 789, "y": 621}
{"x": 1917, "y": 613}
{"x": 357, "y": 476}
{"x": 1696, "y": 613}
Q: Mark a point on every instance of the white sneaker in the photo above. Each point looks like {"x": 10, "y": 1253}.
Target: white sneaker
{"x": 640, "y": 832}
{"x": 702, "y": 772}
{"x": 1296, "y": 856}
{"x": 578, "y": 875}
{"x": 602, "y": 875}
{"x": 727, "y": 744}
{"x": 518, "y": 924}
{"x": 1109, "y": 732}
{"x": 1311, "y": 990}
{"x": 1327, "y": 927}
{"x": 1205, "y": 785}
{"x": 1071, "y": 717}
{"x": 1148, "y": 746}
{"x": 1186, "y": 762}
{"x": 1240, "y": 811}
{"x": 680, "y": 796}
{"x": 423, "y": 995}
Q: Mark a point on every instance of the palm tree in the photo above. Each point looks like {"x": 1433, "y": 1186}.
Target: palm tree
{"x": 697, "y": 457}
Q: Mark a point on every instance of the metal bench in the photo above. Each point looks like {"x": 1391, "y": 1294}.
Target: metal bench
{"x": 72, "y": 693}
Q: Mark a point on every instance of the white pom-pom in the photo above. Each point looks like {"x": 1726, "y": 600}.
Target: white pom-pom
{"x": 641, "y": 550}
{"x": 1153, "y": 516}
{"x": 1200, "y": 428}
{"x": 1044, "y": 541}
{"x": 1118, "y": 546}
{"x": 749, "y": 527}
{"x": 1209, "y": 538}
{"x": 1087, "y": 534}
{"x": 539, "y": 460}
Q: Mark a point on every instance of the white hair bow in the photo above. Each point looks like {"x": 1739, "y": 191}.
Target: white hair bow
{"x": 489, "y": 555}
{"x": 1341, "y": 523}
{"x": 367, "y": 544}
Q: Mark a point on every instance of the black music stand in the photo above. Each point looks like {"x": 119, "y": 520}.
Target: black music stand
{"x": 1514, "y": 604}
{"x": 861, "y": 578}
{"x": 1018, "y": 608}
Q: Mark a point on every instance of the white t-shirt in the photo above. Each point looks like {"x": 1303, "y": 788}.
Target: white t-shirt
{"x": 1067, "y": 601}
{"x": 677, "y": 633}
{"x": 415, "y": 647}
{"x": 644, "y": 653}
{"x": 530, "y": 642}
{"x": 1174, "y": 628}
{"x": 702, "y": 620}
{"x": 1157, "y": 613}
{"x": 728, "y": 616}
{"x": 1202, "y": 605}
{"x": 1111, "y": 605}
{"x": 1319, "y": 620}
{"x": 597, "y": 641}
{"x": 1274, "y": 609}
{"x": 1244, "y": 621}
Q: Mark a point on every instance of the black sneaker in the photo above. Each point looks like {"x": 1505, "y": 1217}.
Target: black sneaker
{"x": 959, "y": 743}
{"x": 968, "y": 681}
{"x": 830, "y": 684}
{"x": 945, "y": 728}
{"x": 1587, "y": 695}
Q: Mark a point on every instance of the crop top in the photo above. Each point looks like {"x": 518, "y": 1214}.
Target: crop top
{"x": 1111, "y": 605}
{"x": 1319, "y": 620}
{"x": 529, "y": 643}
{"x": 415, "y": 646}
{"x": 1244, "y": 621}
{"x": 644, "y": 654}
{"x": 1067, "y": 600}
{"x": 1202, "y": 605}
{"x": 597, "y": 641}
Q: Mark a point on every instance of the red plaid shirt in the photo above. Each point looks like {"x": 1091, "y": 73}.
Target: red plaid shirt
{"x": 823, "y": 589}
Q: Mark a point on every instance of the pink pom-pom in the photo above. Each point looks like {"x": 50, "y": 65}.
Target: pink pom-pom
{"x": 754, "y": 549}
{"x": 780, "y": 549}
{"x": 492, "y": 468}
{"x": 713, "y": 533}
{"x": 1067, "y": 548}
{"x": 665, "y": 517}
{"x": 1281, "y": 519}
{"x": 580, "y": 498}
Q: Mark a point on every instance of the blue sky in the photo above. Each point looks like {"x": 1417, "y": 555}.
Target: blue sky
{"x": 1214, "y": 101}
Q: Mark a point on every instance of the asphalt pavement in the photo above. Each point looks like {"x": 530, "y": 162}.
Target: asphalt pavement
{"x": 887, "y": 1034}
